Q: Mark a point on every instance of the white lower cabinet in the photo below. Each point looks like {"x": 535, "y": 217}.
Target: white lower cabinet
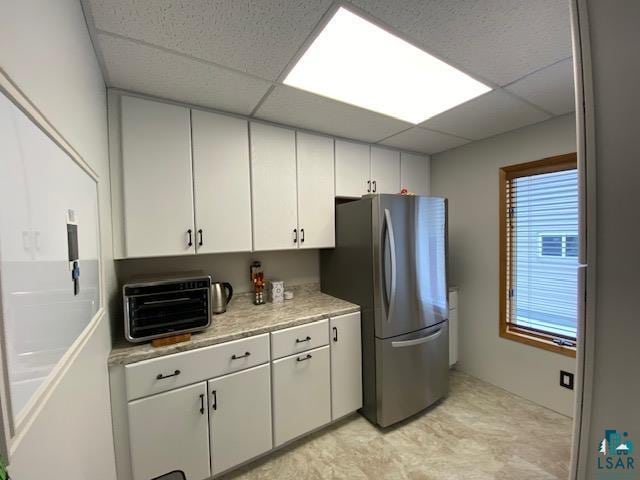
{"x": 346, "y": 365}
{"x": 239, "y": 417}
{"x": 208, "y": 427}
{"x": 168, "y": 432}
{"x": 453, "y": 326}
{"x": 301, "y": 394}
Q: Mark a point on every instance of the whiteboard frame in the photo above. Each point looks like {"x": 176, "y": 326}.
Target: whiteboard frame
{"x": 12, "y": 431}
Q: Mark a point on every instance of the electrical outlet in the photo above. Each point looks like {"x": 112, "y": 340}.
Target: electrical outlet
{"x": 566, "y": 379}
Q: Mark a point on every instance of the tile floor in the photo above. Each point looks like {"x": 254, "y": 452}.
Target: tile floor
{"x": 478, "y": 432}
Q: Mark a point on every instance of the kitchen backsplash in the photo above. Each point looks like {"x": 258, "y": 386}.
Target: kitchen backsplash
{"x": 293, "y": 267}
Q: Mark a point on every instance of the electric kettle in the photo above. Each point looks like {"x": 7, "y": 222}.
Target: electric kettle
{"x": 221, "y": 293}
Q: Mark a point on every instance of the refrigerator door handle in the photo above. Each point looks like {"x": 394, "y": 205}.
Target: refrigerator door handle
{"x": 417, "y": 341}
{"x": 392, "y": 249}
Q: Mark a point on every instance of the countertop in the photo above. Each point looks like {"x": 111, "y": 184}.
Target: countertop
{"x": 243, "y": 319}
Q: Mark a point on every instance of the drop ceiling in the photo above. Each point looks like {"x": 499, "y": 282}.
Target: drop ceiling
{"x": 232, "y": 55}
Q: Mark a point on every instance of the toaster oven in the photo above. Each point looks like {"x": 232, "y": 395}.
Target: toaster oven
{"x": 160, "y": 308}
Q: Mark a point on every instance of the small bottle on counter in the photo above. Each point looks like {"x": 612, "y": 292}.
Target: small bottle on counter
{"x": 257, "y": 280}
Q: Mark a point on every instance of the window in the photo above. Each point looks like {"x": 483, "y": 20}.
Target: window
{"x": 558, "y": 245}
{"x": 539, "y": 253}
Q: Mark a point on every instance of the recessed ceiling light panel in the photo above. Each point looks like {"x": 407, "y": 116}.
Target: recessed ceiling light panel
{"x": 354, "y": 61}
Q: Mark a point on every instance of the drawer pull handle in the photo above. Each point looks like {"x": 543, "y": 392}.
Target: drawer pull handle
{"x": 238, "y": 357}
{"x": 202, "y": 404}
{"x": 303, "y": 340}
{"x": 214, "y": 405}
{"x": 335, "y": 334}
{"x": 161, "y": 376}
{"x": 307, "y": 357}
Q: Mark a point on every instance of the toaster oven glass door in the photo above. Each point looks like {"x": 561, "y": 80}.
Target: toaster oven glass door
{"x": 163, "y": 313}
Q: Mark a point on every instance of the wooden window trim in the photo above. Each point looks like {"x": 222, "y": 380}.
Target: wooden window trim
{"x": 557, "y": 163}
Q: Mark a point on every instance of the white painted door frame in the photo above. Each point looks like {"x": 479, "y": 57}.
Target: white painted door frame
{"x": 585, "y": 140}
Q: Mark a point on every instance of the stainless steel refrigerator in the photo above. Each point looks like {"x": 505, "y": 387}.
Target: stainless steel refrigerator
{"x": 390, "y": 258}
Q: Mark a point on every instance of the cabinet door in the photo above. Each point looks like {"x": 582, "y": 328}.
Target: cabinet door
{"x": 170, "y": 431}
{"x": 453, "y": 327}
{"x": 301, "y": 394}
{"x": 414, "y": 173}
{"x": 352, "y": 169}
{"x": 346, "y": 365}
{"x": 274, "y": 196}
{"x": 316, "y": 197}
{"x": 385, "y": 170}
{"x": 157, "y": 180}
{"x": 222, "y": 183}
{"x": 240, "y": 417}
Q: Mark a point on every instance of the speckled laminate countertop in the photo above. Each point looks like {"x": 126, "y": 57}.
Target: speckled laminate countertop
{"x": 243, "y": 319}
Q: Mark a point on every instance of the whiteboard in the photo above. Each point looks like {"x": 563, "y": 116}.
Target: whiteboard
{"x": 42, "y": 316}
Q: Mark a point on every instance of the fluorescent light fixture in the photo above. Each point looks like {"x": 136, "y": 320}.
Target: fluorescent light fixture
{"x": 357, "y": 62}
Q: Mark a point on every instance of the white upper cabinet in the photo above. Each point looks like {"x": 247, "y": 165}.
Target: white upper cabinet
{"x": 352, "y": 169}
{"x": 190, "y": 181}
{"x": 222, "y": 184}
{"x": 273, "y": 176}
{"x": 316, "y": 204}
{"x": 414, "y": 173}
{"x": 157, "y": 179}
{"x": 385, "y": 170}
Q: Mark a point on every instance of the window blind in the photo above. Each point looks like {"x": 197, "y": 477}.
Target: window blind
{"x": 542, "y": 252}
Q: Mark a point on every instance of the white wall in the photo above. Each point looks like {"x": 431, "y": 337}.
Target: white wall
{"x": 468, "y": 177}
{"x": 614, "y": 37}
{"x": 46, "y": 50}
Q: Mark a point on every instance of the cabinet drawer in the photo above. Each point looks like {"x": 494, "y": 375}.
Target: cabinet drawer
{"x": 173, "y": 371}
{"x": 299, "y": 339}
{"x": 301, "y": 394}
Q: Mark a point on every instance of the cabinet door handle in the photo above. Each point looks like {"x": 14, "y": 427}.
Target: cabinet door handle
{"x": 335, "y": 334}
{"x": 200, "y": 234}
{"x": 295, "y": 235}
{"x": 202, "y": 404}
{"x": 161, "y": 376}
{"x": 214, "y": 405}
{"x": 375, "y": 186}
{"x": 238, "y": 357}
{"x": 303, "y": 340}
{"x": 190, "y": 243}
{"x": 307, "y": 357}
{"x": 368, "y": 186}
{"x": 302, "y": 235}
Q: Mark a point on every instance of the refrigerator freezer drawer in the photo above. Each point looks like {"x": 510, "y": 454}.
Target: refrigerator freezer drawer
{"x": 411, "y": 372}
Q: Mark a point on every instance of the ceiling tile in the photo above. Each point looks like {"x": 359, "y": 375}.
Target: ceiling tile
{"x": 490, "y": 114}
{"x": 257, "y": 37}
{"x": 421, "y": 140}
{"x": 500, "y": 40}
{"x": 306, "y": 110}
{"x": 148, "y": 70}
{"x": 550, "y": 88}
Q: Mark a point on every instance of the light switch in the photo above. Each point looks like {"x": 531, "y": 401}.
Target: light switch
{"x": 566, "y": 379}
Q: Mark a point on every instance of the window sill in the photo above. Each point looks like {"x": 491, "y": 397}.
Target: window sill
{"x": 541, "y": 341}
